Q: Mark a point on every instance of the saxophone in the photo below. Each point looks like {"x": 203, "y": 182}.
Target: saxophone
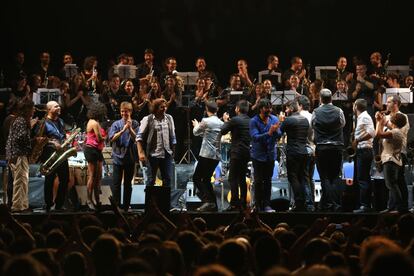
{"x": 59, "y": 155}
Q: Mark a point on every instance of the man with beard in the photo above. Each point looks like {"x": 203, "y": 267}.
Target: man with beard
{"x": 264, "y": 132}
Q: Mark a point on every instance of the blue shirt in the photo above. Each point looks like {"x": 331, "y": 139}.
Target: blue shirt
{"x": 123, "y": 149}
{"x": 55, "y": 130}
{"x": 263, "y": 144}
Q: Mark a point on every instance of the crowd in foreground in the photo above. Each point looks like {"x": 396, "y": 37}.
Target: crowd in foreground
{"x": 151, "y": 244}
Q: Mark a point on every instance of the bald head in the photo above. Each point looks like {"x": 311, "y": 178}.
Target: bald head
{"x": 53, "y": 109}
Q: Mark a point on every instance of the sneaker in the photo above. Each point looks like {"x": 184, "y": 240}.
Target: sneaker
{"x": 362, "y": 210}
{"x": 207, "y": 207}
{"x": 268, "y": 209}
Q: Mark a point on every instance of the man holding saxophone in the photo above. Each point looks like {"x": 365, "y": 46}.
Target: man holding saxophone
{"x": 55, "y": 132}
{"x": 363, "y": 138}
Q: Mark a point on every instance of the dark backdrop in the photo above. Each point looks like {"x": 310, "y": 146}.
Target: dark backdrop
{"x": 220, "y": 30}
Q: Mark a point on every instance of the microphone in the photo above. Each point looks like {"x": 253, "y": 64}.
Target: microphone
{"x": 174, "y": 72}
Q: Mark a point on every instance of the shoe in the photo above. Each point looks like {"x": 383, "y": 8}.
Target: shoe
{"x": 207, "y": 207}
{"x": 268, "y": 209}
{"x": 60, "y": 209}
{"x": 385, "y": 211}
{"x": 232, "y": 208}
{"x": 362, "y": 210}
{"x": 24, "y": 211}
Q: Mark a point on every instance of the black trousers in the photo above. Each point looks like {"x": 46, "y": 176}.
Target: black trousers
{"x": 329, "y": 165}
{"x": 237, "y": 180}
{"x": 62, "y": 172}
{"x": 298, "y": 175}
{"x": 127, "y": 171}
{"x": 263, "y": 172}
{"x": 202, "y": 178}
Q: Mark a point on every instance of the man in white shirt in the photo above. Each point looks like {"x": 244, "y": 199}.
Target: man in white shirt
{"x": 363, "y": 138}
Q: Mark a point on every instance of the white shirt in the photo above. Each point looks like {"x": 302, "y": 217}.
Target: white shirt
{"x": 364, "y": 125}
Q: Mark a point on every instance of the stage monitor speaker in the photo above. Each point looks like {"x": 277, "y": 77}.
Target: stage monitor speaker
{"x": 160, "y": 195}
{"x": 104, "y": 196}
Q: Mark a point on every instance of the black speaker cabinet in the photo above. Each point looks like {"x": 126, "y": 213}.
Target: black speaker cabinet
{"x": 160, "y": 195}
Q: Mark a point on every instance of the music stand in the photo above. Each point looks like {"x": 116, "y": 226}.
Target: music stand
{"x": 189, "y": 78}
{"x": 70, "y": 70}
{"x": 340, "y": 96}
{"x": 43, "y": 95}
{"x": 405, "y": 94}
{"x": 125, "y": 71}
{"x": 188, "y": 153}
{"x": 282, "y": 97}
{"x": 270, "y": 75}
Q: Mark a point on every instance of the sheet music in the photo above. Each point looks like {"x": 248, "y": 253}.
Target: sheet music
{"x": 405, "y": 94}
{"x": 125, "y": 71}
{"x": 282, "y": 97}
{"x": 189, "y": 78}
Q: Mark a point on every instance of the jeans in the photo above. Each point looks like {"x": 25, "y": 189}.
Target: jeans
{"x": 364, "y": 159}
{"x": 263, "y": 172}
{"x": 166, "y": 168}
{"x": 297, "y": 172}
{"x": 329, "y": 165}
{"x": 398, "y": 194}
{"x": 202, "y": 178}
{"x": 309, "y": 184}
{"x": 237, "y": 179}
{"x": 127, "y": 171}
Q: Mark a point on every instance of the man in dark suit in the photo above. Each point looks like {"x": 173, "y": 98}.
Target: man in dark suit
{"x": 239, "y": 154}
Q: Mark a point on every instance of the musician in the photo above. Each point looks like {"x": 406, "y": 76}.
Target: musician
{"x": 44, "y": 70}
{"x": 55, "y": 132}
{"x": 66, "y": 59}
{"x": 224, "y": 101}
{"x": 144, "y": 69}
{"x": 377, "y": 70}
{"x": 110, "y": 97}
{"x": 18, "y": 148}
{"x": 211, "y": 85}
{"x": 295, "y": 85}
{"x": 201, "y": 66}
{"x": 244, "y": 73}
{"x": 78, "y": 100}
{"x": 296, "y": 68}
{"x": 122, "y": 135}
{"x": 264, "y": 132}
{"x": 363, "y": 144}
{"x": 363, "y": 87}
{"x": 297, "y": 129}
{"x": 342, "y": 92}
{"x": 170, "y": 64}
{"x": 392, "y": 161}
{"x": 239, "y": 154}
{"x": 17, "y": 69}
{"x": 408, "y": 82}
{"x": 95, "y": 136}
{"x": 198, "y": 109}
{"x": 341, "y": 74}
{"x": 272, "y": 68}
{"x": 328, "y": 122}
{"x": 156, "y": 142}
{"x": 90, "y": 73}
{"x": 209, "y": 128}
{"x": 255, "y": 97}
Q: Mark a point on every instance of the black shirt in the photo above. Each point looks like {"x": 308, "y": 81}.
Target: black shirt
{"x": 240, "y": 136}
{"x": 296, "y": 127}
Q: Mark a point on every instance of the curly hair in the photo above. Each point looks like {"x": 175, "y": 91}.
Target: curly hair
{"x": 96, "y": 111}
